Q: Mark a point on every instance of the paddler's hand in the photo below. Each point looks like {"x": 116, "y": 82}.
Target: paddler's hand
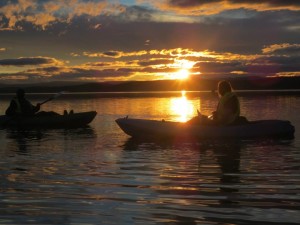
{"x": 38, "y": 106}
{"x": 214, "y": 115}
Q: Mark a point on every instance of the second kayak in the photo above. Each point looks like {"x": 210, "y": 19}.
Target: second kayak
{"x": 49, "y": 121}
{"x": 253, "y": 129}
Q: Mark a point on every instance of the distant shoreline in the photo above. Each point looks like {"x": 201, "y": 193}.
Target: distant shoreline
{"x": 197, "y": 84}
{"x": 158, "y": 94}
{"x": 177, "y": 91}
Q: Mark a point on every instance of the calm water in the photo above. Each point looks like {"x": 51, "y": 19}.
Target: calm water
{"x": 98, "y": 175}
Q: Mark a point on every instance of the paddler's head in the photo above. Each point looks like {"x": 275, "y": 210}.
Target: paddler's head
{"x": 224, "y": 87}
{"x": 20, "y": 93}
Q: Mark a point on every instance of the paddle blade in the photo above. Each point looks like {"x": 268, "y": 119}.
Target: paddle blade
{"x": 198, "y": 113}
{"x": 58, "y": 94}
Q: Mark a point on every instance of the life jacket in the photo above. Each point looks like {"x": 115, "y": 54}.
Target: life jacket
{"x": 225, "y": 119}
{"x": 18, "y": 110}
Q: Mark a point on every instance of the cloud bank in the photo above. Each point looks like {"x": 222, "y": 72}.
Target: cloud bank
{"x": 42, "y": 14}
{"x": 161, "y": 64}
{"x": 101, "y": 40}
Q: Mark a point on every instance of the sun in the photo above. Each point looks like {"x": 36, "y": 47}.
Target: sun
{"x": 182, "y": 74}
{"x": 183, "y": 66}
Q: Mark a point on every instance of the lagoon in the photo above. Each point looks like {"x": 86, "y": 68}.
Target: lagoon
{"x": 99, "y": 175}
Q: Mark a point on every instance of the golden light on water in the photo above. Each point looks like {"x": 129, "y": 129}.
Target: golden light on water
{"x": 182, "y": 108}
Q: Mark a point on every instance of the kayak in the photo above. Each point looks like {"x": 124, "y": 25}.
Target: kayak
{"x": 71, "y": 120}
{"x": 255, "y": 129}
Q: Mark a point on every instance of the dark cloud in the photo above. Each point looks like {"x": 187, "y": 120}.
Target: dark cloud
{"x": 152, "y": 70}
{"x": 274, "y": 64}
{"x": 136, "y": 13}
{"x": 190, "y": 3}
{"x": 93, "y": 74}
{"x": 34, "y": 61}
{"x": 219, "y": 66}
{"x": 215, "y": 33}
{"x": 99, "y": 64}
{"x": 111, "y": 53}
{"x": 194, "y": 3}
{"x": 261, "y": 65}
{"x": 74, "y": 73}
{"x": 154, "y": 62}
{"x": 269, "y": 2}
{"x": 48, "y": 70}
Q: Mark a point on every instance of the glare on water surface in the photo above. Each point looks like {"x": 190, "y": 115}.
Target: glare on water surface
{"x": 182, "y": 108}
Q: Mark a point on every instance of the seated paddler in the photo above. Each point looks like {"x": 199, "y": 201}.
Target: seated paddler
{"x": 20, "y": 106}
{"x": 228, "y": 109}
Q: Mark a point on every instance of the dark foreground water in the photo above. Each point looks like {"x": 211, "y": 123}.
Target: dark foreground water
{"x": 99, "y": 175}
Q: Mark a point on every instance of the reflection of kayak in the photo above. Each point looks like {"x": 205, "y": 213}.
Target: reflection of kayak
{"x": 49, "y": 121}
{"x": 254, "y": 129}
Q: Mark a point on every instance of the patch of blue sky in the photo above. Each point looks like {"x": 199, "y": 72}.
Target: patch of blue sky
{"x": 135, "y": 2}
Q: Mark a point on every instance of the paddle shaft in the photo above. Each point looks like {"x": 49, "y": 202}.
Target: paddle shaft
{"x": 51, "y": 98}
{"x": 48, "y": 100}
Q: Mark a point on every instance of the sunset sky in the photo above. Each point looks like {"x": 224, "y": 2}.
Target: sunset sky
{"x": 98, "y": 40}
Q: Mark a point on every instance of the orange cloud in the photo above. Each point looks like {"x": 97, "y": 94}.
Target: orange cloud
{"x": 198, "y": 7}
{"x": 158, "y": 64}
{"x": 284, "y": 48}
{"x": 42, "y": 14}
{"x": 41, "y": 19}
{"x": 176, "y": 52}
{"x": 115, "y": 54}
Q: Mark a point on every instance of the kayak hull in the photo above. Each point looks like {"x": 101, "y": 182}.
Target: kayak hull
{"x": 255, "y": 129}
{"x": 49, "y": 121}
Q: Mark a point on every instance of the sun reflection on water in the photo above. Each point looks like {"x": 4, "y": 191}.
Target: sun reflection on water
{"x": 182, "y": 108}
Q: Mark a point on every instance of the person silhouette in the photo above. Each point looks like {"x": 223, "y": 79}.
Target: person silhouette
{"x": 20, "y": 106}
{"x": 228, "y": 109}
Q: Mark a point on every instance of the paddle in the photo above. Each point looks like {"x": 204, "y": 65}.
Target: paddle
{"x": 199, "y": 113}
{"x": 51, "y": 98}
{"x": 210, "y": 117}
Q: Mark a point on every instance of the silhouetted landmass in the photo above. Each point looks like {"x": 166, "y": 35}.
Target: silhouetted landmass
{"x": 195, "y": 83}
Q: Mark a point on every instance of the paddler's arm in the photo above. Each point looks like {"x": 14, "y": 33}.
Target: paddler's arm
{"x": 10, "y": 111}
{"x": 37, "y": 107}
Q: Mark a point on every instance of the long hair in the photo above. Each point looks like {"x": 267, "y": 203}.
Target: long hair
{"x": 224, "y": 87}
